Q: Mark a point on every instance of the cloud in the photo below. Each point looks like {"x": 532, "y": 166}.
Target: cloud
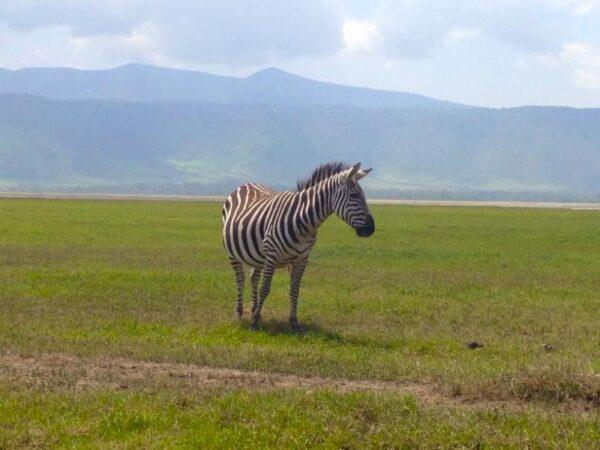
{"x": 190, "y": 31}
{"x": 257, "y": 32}
{"x": 587, "y": 79}
{"x": 416, "y": 28}
{"x": 361, "y": 36}
{"x": 470, "y": 49}
{"x": 584, "y": 61}
{"x": 585, "y": 7}
{"x": 140, "y": 44}
{"x": 250, "y": 32}
{"x": 84, "y": 18}
{"x": 457, "y": 35}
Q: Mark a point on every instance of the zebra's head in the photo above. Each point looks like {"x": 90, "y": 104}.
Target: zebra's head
{"x": 350, "y": 204}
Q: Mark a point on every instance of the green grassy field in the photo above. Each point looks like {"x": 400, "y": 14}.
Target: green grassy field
{"x": 149, "y": 281}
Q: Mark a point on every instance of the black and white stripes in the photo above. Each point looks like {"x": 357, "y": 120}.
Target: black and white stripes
{"x": 266, "y": 229}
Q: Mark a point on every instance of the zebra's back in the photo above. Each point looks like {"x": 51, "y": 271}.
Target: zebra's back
{"x": 244, "y": 222}
{"x": 257, "y": 220}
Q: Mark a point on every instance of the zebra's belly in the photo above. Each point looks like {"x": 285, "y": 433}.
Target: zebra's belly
{"x": 256, "y": 256}
{"x": 300, "y": 250}
{"x": 256, "y": 260}
{"x": 252, "y": 251}
{"x": 245, "y": 249}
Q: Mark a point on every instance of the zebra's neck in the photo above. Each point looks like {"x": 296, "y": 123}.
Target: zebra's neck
{"x": 316, "y": 205}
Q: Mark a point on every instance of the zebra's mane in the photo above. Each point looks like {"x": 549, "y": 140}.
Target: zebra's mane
{"x": 322, "y": 172}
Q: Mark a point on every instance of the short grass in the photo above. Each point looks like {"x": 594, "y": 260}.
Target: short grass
{"x": 150, "y": 280}
{"x": 290, "y": 419}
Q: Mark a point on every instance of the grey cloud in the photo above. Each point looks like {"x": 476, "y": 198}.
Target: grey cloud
{"x": 201, "y": 31}
{"x": 269, "y": 30}
{"x": 85, "y": 18}
{"x": 537, "y": 26}
{"x": 415, "y": 28}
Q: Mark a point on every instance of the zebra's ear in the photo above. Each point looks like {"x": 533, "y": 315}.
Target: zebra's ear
{"x": 362, "y": 173}
{"x": 351, "y": 172}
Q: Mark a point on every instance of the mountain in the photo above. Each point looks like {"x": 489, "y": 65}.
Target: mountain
{"x": 95, "y": 144}
{"x": 136, "y": 82}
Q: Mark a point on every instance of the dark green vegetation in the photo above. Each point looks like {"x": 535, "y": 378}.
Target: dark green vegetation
{"x": 276, "y": 127}
{"x": 149, "y": 281}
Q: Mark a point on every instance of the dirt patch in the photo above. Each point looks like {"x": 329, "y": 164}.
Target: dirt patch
{"x": 120, "y": 372}
{"x": 69, "y": 372}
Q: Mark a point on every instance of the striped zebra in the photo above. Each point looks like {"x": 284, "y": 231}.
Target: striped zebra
{"x": 266, "y": 229}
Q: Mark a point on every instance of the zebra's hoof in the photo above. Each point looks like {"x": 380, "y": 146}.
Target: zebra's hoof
{"x": 239, "y": 313}
{"x": 254, "y": 323}
{"x": 295, "y": 327}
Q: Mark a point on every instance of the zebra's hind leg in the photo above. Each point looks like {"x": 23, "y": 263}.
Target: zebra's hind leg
{"x": 254, "y": 279}
{"x": 239, "y": 281}
{"x": 268, "y": 271}
{"x": 296, "y": 273}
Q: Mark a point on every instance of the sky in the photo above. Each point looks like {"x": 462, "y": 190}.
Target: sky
{"x": 497, "y": 53}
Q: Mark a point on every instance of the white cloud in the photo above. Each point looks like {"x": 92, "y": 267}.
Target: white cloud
{"x": 587, "y": 79}
{"x": 361, "y": 35}
{"x": 583, "y": 8}
{"x": 584, "y": 61}
{"x": 576, "y": 50}
{"x": 458, "y": 35}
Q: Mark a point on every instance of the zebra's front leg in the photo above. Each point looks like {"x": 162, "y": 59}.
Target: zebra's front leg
{"x": 268, "y": 271}
{"x": 254, "y": 278}
{"x": 295, "y": 278}
{"x": 239, "y": 281}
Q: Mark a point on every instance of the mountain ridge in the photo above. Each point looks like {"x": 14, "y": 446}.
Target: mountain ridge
{"x": 140, "y": 82}
{"x": 96, "y": 144}
{"x": 139, "y": 125}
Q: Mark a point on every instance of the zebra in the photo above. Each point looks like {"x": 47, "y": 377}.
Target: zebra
{"x": 266, "y": 229}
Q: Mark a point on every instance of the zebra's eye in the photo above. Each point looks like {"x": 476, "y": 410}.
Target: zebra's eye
{"x": 354, "y": 196}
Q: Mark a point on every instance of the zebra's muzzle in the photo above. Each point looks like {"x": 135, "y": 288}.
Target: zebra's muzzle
{"x": 367, "y": 229}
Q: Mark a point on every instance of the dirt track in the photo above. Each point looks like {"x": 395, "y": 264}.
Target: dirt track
{"x": 119, "y": 373}
{"x": 57, "y": 371}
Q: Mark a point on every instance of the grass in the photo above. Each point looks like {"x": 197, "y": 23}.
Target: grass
{"x": 150, "y": 281}
{"x": 290, "y": 419}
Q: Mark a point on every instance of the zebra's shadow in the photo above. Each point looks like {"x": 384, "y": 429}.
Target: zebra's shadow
{"x": 275, "y": 327}
{"x": 308, "y": 330}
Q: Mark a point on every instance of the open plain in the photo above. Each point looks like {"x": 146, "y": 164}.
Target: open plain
{"x": 117, "y": 329}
